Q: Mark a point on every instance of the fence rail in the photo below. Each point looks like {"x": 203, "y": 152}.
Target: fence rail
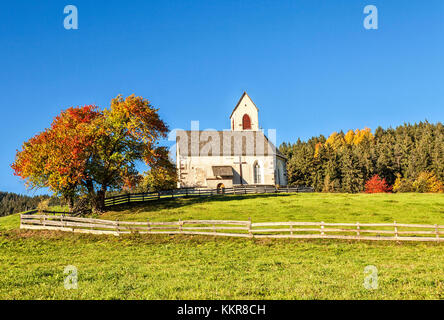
{"x": 190, "y": 192}
{"x": 233, "y": 228}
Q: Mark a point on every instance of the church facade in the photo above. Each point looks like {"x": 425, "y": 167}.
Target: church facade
{"x": 242, "y": 155}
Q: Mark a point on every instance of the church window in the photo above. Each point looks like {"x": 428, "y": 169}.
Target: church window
{"x": 257, "y": 173}
{"x": 246, "y": 122}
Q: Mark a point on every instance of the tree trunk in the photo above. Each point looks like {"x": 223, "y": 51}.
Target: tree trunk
{"x": 71, "y": 204}
{"x": 98, "y": 201}
{"x": 97, "y": 198}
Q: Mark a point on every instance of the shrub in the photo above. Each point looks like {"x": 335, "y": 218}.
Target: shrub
{"x": 435, "y": 185}
{"x": 427, "y": 182}
{"x": 43, "y": 205}
{"x": 402, "y": 184}
{"x": 158, "y": 179}
{"x": 376, "y": 185}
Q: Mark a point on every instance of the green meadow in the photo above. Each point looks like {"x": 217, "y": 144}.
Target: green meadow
{"x": 197, "y": 267}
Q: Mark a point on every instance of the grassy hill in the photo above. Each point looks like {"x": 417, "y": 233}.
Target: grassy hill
{"x": 192, "y": 267}
{"x": 403, "y": 208}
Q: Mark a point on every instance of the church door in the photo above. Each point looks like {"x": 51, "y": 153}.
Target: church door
{"x": 220, "y": 188}
{"x": 246, "y": 122}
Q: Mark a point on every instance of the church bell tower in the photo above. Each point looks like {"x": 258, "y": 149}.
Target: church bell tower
{"x": 245, "y": 115}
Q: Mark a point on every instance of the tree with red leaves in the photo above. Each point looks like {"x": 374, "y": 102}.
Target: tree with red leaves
{"x": 88, "y": 150}
{"x": 56, "y": 158}
{"x": 377, "y": 185}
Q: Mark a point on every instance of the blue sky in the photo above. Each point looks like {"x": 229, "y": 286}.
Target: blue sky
{"x": 310, "y": 66}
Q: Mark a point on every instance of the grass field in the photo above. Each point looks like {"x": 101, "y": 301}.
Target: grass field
{"x": 404, "y": 208}
{"x": 185, "y": 267}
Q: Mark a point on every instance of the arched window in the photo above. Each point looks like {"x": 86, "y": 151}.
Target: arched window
{"x": 257, "y": 173}
{"x": 246, "y": 122}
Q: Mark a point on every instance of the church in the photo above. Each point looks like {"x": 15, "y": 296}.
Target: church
{"x": 242, "y": 155}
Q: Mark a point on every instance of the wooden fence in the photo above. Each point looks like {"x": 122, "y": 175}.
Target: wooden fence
{"x": 231, "y": 228}
{"x": 189, "y": 192}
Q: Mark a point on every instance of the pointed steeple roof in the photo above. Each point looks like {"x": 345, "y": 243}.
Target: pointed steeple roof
{"x": 240, "y": 100}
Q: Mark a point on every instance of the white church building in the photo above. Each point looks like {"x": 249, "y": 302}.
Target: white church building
{"x": 222, "y": 159}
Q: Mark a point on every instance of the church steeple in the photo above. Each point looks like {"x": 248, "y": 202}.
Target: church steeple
{"x": 245, "y": 115}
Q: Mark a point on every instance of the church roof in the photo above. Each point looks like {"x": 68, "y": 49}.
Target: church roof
{"x": 237, "y": 105}
{"x": 225, "y": 143}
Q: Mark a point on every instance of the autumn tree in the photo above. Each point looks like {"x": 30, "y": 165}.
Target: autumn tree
{"x": 130, "y": 132}
{"x": 427, "y": 182}
{"x": 402, "y": 184}
{"x": 161, "y": 176}
{"x": 89, "y": 151}
{"x": 377, "y": 185}
{"x": 57, "y": 157}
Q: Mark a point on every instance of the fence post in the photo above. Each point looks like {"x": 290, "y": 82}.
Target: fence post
{"x": 250, "y": 232}
{"x": 288, "y": 189}
{"x": 117, "y": 226}
{"x": 291, "y": 229}
{"x": 322, "y": 228}
{"x": 172, "y": 193}
{"x": 245, "y": 190}
{"x": 436, "y": 232}
{"x": 149, "y": 225}
{"x": 44, "y": 220}
{"x": 358, "y": 228}
{"x": 158, "y": 195}
{"x": 143, "y": 197}
{"x": 396, "y": 229}
{"x": 180, "y": 226}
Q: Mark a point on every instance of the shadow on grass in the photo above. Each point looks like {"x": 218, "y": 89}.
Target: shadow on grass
{"x": 173, "y": 203}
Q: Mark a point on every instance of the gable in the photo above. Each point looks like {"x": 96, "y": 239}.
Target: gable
{"x": 244, "y": 99}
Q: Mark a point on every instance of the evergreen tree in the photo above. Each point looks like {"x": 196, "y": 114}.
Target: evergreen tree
{"x": 345, "y": 162}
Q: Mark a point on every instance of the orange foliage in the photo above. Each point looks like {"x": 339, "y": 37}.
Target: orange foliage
{"x": 85, "y": 144}
{"x": 56, "y": 158}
